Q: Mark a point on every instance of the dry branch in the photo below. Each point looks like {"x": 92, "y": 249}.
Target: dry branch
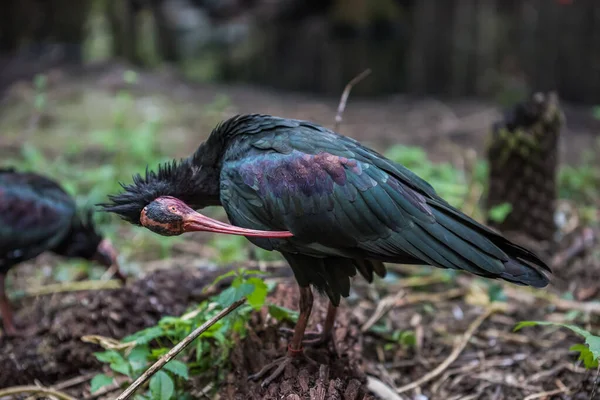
{"x": 73, "y": 287}
{"x": 460, "y": 346}
{"x": 345, "y": 94}
{"x": 399, "y": 300}
{"x": 177, "y": 349}
{"x": 543, "y": 395}
{"x": 382, "y": 390}
{"x": 15, "y": 390}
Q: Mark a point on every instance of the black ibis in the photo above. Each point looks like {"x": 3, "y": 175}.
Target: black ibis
{"x": 37, "y": 215}
{"x": 330, "y": 205}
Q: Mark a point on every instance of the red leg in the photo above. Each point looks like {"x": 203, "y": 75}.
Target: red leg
{"x": 317, "y": 338}
{"x": 295, "y": 345}
{"x": 5, "y": 308}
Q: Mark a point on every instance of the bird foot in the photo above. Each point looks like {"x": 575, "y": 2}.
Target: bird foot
{"x": 310, "y": 338}
{"x": 279, "y": 366}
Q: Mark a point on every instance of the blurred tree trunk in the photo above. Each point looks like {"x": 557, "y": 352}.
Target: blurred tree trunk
{"x": 523, "y": 158}
{"x": 122, "y": 18}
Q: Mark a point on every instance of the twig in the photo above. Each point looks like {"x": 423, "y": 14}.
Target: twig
{"x": 11, "y": 391}
{"x": 108, "y": 343}
{"x": 546, "y": 394}
{"x": 74, "y": 381}
{"x": 113, "y": 387}
{"x": 464, "y": 340}
{"x": 345, "y": 94}
{"x": 399, "y": 300}
{"x": 73, "y": 287}
{"x": 177, "y": 349}
{"x": 382, "y": 390}
{"x": 525, "y": 294}
{"x": 417, "y": 281}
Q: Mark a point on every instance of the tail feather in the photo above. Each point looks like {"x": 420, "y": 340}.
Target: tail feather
{"x": 491, "y": 254}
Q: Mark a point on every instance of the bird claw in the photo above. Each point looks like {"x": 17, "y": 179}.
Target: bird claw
{"x": 279, "y": 365}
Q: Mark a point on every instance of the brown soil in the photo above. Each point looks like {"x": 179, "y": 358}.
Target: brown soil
{"x": 496, "y": 363}
{"x": 340, "y": 375}
{"x": 55, "y": 352}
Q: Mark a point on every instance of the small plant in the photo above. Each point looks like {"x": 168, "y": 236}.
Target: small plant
{"x": 589, "y": 352}
{"x": 206, "y": 355}
{"x": 236, "y": 248}
{"x": 40, "y": 102}
{"x": 499, "y": 213}
{"x": 447, "y": 180}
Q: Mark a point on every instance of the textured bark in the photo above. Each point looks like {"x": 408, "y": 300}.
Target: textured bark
{"x": 523, "y": 159}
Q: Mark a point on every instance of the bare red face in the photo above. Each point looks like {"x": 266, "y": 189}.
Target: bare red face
{"x": 169, "y": 216}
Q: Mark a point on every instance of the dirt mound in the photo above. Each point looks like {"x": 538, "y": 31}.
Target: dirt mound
{"x": 56, "y": 351}
{"x": 338, "y": 374}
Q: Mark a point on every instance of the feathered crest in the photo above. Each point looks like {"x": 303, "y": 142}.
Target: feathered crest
{"x": 175, "y": 178}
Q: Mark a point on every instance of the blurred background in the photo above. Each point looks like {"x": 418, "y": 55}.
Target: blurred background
{"x": 93, "y": 91}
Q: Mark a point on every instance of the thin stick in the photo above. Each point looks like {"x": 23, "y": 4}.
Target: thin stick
{"x": 400, "y": 300}
{"x": 382, "y": 390}
{"x": 546, "y": 394}
{"x": 11, "y": 391}
{"x": 176, "y": 350}
{"x": 455, "y": 353}
{"x": 73, "y": 287}
{"x": 345, "y": 94}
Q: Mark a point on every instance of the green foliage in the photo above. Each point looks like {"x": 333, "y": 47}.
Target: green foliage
{"x": 405, "y": 339}
{"x": 99, "y": 381}
{"x": 449, "y": 181}
{"x": 283, "y": 313}
{"x": 596, "y": 112}
{"x": 122, "y": 148}
{"x": 588, "y": 352}
{"x": 230, "y": 249}
{"x": 40, "y": 99}
{"x": 581, "y": 183}
{"x": 206, "y": 355}
{"x": 161, "y": 386}
{"x": 499, "y": 213}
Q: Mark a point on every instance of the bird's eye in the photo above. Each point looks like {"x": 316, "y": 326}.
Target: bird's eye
{"x": 172, "y": 208}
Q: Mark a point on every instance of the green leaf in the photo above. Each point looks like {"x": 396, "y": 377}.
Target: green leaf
{"x": 177, "y": 368}
{"x": 500, "y": 212}
{"x": 588, "y": 353}
{"x": 585, "y": 355}
{"x": 221, "y": 277}
{"x": 596, "y": 112}
{"x": 138, "y": 358}
{"x": 257, "y": 297}
{"x": 121, "y": 366}
{"x": 99, "y": 381}
{"x": 407, "y": 339}
{"x": 145, "y": 336}
{"x": 282, "y": 313}
{"x": 109, "y": 356}
{"x": 161, "y": 386}
{"x": 226, "y": 297}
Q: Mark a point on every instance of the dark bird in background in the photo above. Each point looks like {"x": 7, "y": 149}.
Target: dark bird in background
{"x": 37, "y": 215}
{"x": 348, "y": 208}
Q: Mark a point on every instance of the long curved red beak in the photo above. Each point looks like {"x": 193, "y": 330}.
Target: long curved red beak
{"x": 195, "y": 222}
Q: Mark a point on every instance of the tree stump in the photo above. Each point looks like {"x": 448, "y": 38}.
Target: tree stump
{"x": 523, "y": 160}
